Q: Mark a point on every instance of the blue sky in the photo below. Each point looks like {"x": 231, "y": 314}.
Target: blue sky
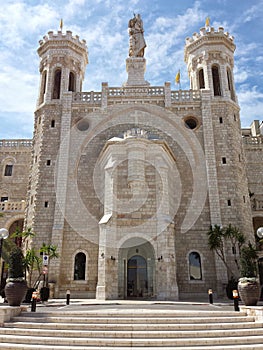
{"x": 103, "y": 24}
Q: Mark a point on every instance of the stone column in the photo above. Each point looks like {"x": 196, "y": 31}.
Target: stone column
{"x": 107, "y": 287}
{"x": 166, "y": 287}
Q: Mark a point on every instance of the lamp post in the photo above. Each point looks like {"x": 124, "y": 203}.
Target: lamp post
{"x": 260, "y": 232}
{"x": 3, "y": 235}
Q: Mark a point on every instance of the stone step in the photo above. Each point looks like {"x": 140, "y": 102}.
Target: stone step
{"x": 133, "y": 327}
{"x": 137, "y": 334}
{"x": 122, "y": 329}
{"x": 111, "y": 342}
{"x": 7, "y": 346}
{"x": 163, "y": 314}
{"x": 134, "y": 320}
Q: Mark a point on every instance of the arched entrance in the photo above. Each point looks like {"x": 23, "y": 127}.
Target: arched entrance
{"x": 137, "y": 278}
{"x": 136, "y": 269}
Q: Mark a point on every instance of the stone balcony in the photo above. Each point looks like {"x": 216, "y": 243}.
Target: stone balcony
{"x": 253, "y": 140}
{"x": 257, "y": 203}
{"x": 16, "y": 143}
{"x": 9, "y": 206}
{"x": 128, "y": 94}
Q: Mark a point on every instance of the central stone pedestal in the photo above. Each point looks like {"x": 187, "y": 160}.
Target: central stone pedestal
{"x": 135, "y": 68}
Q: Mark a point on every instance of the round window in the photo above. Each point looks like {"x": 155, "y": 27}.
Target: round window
{"x": 83, "y": 125}
{"x": 191, "y": 123}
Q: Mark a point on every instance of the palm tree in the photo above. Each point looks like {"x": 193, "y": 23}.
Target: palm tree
{"x": 50, "y": 250}
{"x": 32, "y": 262}
{"x": 217, "y": 239}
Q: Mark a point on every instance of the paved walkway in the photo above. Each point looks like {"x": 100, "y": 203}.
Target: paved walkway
{"x": 93, "y": 304}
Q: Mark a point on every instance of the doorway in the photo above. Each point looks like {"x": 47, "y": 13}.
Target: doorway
{"x": 137, "y": 279}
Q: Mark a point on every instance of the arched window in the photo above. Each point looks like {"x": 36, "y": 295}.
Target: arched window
{"x": 57, "y": 83}
{"x": 216, "y": 81}
{"x": 195, "y": 269}
{"x": 201, "y": 79}
{"x": 71, "y": 82}
{"x": 79, "y": 267}
{"x": 8, "y": 170}
{"x": 230, "y": 84}
{"x": 43, "y": 87}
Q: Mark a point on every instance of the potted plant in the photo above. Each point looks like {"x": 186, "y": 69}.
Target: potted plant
{"x": 49, "y": 250}
{"x": 248, "y": 284}
{"x": 16, "y": 285}
{"x": 32, "y": 262}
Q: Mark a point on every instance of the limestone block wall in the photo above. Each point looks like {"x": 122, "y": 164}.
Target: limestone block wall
{"x": 16, "y": 153}
{"x": 13, "y": 189}
{"x": 42, "y": 196}
{"x": 253, "y": 147}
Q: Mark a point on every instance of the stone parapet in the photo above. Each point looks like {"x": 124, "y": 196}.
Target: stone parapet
{"x": 126, "y": 94}
{"x": 12, "y": 206}
{"x": 16, "y": 143}
{"x": 210, "y": 33}
{"x": 253, "y": 140}
{"x": 59, "y": 36}
{"x": 257, "y": 203}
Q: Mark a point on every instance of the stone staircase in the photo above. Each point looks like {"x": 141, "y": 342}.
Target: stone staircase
{"x": 132, "y": 328}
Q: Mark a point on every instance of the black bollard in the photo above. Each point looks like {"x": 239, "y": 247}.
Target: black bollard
{"x": 210, "y": 295}
{"x": 235, "y": 298}
{"x": 68, "y": 296}
{"x": 34, "y": 302}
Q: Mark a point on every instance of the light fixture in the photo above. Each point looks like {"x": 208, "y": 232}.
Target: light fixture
{"x": 160, "y": 258}
{"x": 113, "y": 258}
{"x": 260, "y": 232}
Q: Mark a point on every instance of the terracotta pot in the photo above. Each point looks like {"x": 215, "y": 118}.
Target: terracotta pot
{"x": 249, "y": 292}
{"x": 15, "y": 292}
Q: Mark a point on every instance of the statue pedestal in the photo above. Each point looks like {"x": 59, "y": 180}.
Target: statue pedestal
{"x": 135, "y": 68}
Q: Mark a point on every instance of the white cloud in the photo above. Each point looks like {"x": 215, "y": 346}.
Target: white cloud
{"x": 251, "y": 103}
{"x": 18, "y": 20}
{"x": 20, "y": 89}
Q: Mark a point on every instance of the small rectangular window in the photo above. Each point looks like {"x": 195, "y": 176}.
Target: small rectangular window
{"x": 3, "y": 199}
{"x": 244, "y": 199}
{"x": 46, "y": 204}
{"x": 48, "y": 162}
{"x": 224, "y": 160}
{"x": 8, "y": 170}
{"x": 52, "y": 123}
{"x": 221, "y": 120}
{"x": 229, "y": 202}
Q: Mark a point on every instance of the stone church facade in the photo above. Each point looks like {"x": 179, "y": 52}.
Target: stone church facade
{"x": 127, "y": 181}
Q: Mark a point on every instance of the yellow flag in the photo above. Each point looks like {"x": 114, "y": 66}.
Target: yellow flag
{"x": 177, "y": 77}
{"x": 61, "y": 24}
{"x": 207, "y": 22}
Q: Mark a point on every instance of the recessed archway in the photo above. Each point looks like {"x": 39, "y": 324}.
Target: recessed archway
{"x": 136, "y": 273}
